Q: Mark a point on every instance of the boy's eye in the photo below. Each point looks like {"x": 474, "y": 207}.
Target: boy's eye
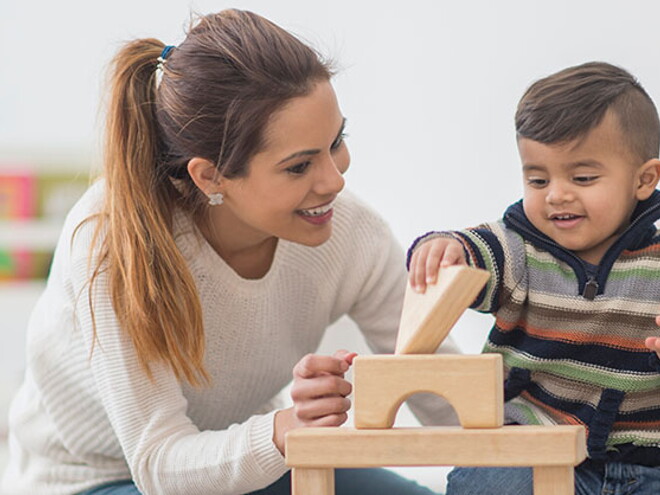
{"x": 299, "y": 168}
{"x": 585, "y": 179}
{"x": 338, "y": 142}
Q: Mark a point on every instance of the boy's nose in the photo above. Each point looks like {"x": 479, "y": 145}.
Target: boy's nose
{"x": 558, "y": 194}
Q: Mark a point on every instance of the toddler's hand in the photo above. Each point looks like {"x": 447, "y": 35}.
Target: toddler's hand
{"x": 653, "y": 343}
{"x": 429, "y": 257}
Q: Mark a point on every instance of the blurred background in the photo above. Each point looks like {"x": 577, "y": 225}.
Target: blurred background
{"x": 429, "y": 89}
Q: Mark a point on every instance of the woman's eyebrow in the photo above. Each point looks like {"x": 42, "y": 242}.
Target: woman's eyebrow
{"x": 298, "y": 154}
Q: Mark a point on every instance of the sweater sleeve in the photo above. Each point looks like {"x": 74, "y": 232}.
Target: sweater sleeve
{"x": 377, "y": 312}
{"x": 165, "y": 452}
{"x": 490, "y": 247}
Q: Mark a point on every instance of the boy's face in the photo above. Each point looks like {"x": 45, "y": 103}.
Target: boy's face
{"x": 582, "y": 193}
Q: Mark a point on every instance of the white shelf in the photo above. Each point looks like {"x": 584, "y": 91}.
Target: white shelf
{"x": 30, "y": 234}
{"x": 21, "y": 289}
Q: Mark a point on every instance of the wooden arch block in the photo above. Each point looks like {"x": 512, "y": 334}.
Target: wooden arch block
{"x": 471, "y": 384}
{"x": 427, "y": 318}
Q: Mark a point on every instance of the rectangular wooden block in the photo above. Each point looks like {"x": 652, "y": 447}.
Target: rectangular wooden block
{"x": 316, "y": 481}
{"x": 473, "y": 385}
{"x": 536, "y": 446}
{"x": 554, "y": 480}
{"x": 427, "y": 318}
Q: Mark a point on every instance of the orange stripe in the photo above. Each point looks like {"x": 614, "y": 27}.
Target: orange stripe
{"x": 615, "y": 342}
{"x": 636, "y": 425}
{"x": 650, "y": 249}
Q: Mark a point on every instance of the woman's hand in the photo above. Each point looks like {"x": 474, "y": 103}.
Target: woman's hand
{"x": 319, "y": 394}
{"x": 653, "y": 343}
{"x": 429, "y": 257}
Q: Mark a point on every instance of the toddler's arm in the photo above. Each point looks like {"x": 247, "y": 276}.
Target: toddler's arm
{"x": 429, "y": 256}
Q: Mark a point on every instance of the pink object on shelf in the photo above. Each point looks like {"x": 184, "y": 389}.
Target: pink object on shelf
{"x": 17, "y": 196}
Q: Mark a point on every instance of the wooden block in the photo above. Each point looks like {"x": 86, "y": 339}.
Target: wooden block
{"x": 316, "y": 481}
{"x": 427, "y": 318}
{"x": 554, "y": 480}
{"x": 473, "y": 385}
{"x": 537, "y": 446}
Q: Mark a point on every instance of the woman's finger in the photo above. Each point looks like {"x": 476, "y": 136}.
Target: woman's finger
{"x": 313, "y": 365}
{"x": 319, "y": 408}
{"x": 321, "y": 386}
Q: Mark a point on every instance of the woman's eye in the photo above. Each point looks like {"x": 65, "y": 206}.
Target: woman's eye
{"x": 299, "y": 168}
{"x": 338, "y": 142}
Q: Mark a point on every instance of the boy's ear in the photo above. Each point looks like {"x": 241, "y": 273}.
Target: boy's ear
{"x": 648, "y": 177}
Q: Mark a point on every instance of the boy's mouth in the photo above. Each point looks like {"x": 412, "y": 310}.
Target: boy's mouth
{"x": 565, "y": 220}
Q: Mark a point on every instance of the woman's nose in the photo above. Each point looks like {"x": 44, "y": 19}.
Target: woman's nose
{"x": 330, "y": 179}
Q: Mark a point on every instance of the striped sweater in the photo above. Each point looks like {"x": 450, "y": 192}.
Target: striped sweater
{"x": 572, "y": 334}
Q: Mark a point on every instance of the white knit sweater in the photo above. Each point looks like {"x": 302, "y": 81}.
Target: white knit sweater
{"x": 78, "y": 422}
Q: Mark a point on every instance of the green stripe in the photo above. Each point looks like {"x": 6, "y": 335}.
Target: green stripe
{"x": 636, "y": 272}
{"x": 630, "y": 437}
{"x": 579, "y": 372}
{"x": 552, "y": 267}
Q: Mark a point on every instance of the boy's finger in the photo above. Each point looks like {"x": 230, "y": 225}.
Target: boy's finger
{"x": 454, "y": 255}
{"x": 657, "y": 320}
{"x": 414, "y": 259}
{"x": 653, "y": 343}
{"x": 433, "y": 264}
{"x": 419, "y": 275}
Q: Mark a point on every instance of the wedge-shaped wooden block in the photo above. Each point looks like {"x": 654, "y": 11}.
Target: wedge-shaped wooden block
{"x": 471, "y": 384}
{"x": 427, "y": 318}
{"x": 537, "y": 446}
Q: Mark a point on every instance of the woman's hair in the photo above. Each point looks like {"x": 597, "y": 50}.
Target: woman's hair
{"x": 217, "y": 91}
{"x": 566, "y": 105}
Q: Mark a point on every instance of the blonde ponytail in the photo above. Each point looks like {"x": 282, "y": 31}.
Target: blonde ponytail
{"x": 153, "y": 295}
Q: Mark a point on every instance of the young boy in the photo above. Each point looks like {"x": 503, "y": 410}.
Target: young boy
{"x": 575, "y": 279}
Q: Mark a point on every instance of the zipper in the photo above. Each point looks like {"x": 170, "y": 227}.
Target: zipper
{"x": 590, "y": 289}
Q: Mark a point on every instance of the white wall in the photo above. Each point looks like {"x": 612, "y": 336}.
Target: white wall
{"x": 429, "y": 87}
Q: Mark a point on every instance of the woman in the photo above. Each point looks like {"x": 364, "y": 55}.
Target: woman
{"x": 204, "y": 267}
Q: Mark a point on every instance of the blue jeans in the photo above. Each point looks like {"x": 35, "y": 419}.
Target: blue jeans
{"x": 612, "y": 478}
{"x": 347, "y": 482}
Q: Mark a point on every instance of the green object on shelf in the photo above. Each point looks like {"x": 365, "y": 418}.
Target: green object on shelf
{"x": 7, "y": 268}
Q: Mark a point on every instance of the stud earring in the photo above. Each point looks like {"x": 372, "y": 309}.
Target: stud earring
{"x": 216, "y": 199}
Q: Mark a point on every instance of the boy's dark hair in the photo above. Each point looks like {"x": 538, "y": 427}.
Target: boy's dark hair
{"x": 566, "y": 105}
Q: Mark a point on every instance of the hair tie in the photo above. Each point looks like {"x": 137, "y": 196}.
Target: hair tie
{"x": 161, "y": 63}
{"x": 164, "y": 54}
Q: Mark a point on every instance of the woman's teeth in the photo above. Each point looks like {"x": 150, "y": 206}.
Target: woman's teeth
{"x": 316, "y": 212}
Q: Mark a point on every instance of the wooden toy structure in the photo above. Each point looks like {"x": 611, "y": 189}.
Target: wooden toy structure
{"x": 471, "y": 384}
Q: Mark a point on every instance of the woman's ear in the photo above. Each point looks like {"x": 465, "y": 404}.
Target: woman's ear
{"x": 205, "y": 175}
{"x": 649, "y": 175}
